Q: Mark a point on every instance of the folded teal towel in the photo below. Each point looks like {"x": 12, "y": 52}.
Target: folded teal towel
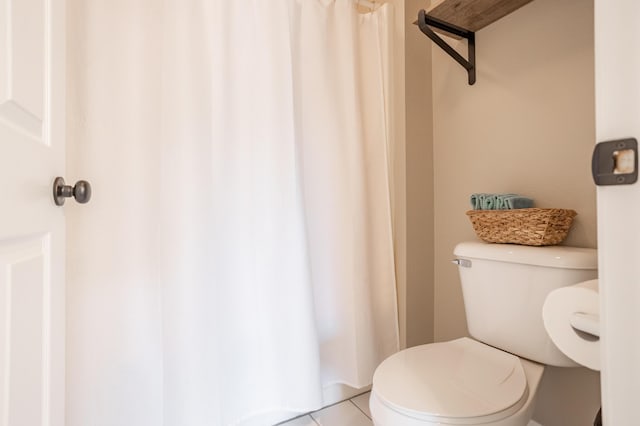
{"x": 501, "y": 201}
{"x": 511, "y": 201}
{"x": 518, "y": 202}
{"x": 483, "y": 201}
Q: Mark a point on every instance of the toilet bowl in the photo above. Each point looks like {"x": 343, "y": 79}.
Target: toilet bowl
{"x": 493, "y": 377}
{"x": 460, "y": 382}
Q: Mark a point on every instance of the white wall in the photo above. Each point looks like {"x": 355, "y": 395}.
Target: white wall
{"x": 419, "y": 182}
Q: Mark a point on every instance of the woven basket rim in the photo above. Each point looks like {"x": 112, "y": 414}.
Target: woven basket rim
{"x": 571, "y": 212}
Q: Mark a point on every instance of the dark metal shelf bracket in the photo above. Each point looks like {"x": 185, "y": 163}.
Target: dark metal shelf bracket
{"x": 425, "y": 22}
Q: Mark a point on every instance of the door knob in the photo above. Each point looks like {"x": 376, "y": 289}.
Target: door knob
{"x": 81, "y": 191}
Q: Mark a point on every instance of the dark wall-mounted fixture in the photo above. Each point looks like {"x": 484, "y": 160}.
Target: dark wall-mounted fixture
{"x": 424, "y": 22}
{"x": 615, "y": 162}
{"x": 462, "y": 19}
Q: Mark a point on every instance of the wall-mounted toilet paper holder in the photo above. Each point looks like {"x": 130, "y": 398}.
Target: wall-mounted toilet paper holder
{"x": 586, "y": 325}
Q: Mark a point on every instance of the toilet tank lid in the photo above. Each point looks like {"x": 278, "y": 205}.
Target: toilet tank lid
{"x": 550, "y": 256}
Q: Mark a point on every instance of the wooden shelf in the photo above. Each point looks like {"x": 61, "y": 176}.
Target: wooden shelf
{"x": 473, "y": 15}
{"x": 461, "y": 19}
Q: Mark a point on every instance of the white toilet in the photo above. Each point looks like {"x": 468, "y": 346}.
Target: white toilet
{"x": 492, "y": 380}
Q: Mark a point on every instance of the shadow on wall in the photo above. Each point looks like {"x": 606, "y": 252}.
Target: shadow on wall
{"x": 576, "y": 407}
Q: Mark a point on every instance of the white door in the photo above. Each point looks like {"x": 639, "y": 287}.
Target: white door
{"x": 617, "y": 43}
{"x": 31, "y": 227}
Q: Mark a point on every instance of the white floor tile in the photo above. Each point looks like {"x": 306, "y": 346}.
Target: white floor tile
{"x": 362, "y": 402}
{"x": 300, "y": 421}
{"x": 343, "y": 414}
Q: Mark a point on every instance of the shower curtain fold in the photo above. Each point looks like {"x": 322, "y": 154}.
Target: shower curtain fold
{"x": 265, "y": 271}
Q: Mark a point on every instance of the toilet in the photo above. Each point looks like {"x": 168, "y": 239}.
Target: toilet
{"x": 493, "y": 377}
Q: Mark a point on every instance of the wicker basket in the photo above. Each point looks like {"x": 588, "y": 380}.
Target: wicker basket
{"x": 531, "y": 227}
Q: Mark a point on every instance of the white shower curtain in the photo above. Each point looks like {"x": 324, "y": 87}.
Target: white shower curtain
{"x": 237, "y": 257}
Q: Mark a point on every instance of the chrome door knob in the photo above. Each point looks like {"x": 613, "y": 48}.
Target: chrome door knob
{"x": 81, "y": 191}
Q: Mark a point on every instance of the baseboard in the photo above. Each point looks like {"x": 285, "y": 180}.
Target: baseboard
{"x": 330, "y": 395}
{"x": 339, "y": 392}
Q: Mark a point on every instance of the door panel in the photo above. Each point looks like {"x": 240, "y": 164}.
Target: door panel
{"x": 31, "y": 226}
{"x": 617, "y": 35}
{"x": 24, "y": 297}
{"x": 22, "y": 69}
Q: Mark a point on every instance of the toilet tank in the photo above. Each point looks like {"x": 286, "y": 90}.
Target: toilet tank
{"x": 504, "y": 287}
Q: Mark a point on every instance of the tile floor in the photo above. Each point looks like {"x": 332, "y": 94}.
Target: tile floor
{"x": 353, "y": 412}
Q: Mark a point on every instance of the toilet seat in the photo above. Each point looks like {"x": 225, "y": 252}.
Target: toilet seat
{"x": 457, "y": 382}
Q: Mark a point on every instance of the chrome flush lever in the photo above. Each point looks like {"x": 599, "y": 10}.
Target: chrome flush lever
{"x": 465, "y": 263}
